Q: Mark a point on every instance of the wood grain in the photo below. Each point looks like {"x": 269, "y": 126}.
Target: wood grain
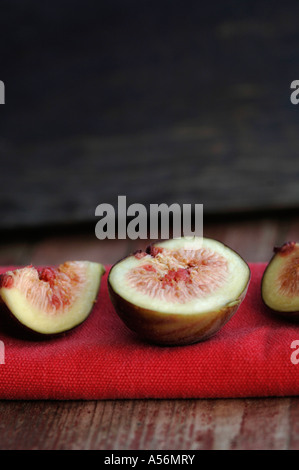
{"x": 232, "y": 424}
{"x": 162, "y": 104}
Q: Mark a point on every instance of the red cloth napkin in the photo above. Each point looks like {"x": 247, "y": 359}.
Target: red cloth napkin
{"x": 102, "y": 359}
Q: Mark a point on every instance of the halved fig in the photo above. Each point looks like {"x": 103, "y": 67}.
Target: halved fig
{"x": 52, "y": 300}
{"x": 280, "y": 283}
{"x": 179, "y": 291}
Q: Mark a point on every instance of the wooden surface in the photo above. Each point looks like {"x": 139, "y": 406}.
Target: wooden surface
{"x": 258, "y": 423}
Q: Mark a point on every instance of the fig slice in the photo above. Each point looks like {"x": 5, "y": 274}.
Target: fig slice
{"x": 280, "y": 283}
{"x": 179, "y": 291}
{"x": 51, "y": 300}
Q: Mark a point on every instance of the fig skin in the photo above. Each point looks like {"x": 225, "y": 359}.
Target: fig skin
{"x": 283, "y": 251}
{"x": 173, "y": 329}
{"x": 288, "y": 316}
{"x": 11, "y": 326}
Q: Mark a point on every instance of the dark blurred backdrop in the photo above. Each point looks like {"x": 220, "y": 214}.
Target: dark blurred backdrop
{"x": 162, "y": 101}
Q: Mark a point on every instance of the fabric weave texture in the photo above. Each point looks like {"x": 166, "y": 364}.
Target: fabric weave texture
{"x": 101, "y": 359}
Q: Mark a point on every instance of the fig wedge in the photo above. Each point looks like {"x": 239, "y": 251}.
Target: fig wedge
{"x": 280, "y": 282}
{"x": 179, "y": 291}
{"x": 51, "y": 300}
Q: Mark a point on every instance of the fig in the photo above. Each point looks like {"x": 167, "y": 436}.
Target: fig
{"x": 280, "y": 282}
{"x": 178, "y": 291}
{"x": 51, "y": 300}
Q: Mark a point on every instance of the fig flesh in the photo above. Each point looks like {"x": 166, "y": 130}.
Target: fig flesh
{"x": 51, "y": 300}
{"x": 179, "y": 291}
{"x": 280, "y": 283}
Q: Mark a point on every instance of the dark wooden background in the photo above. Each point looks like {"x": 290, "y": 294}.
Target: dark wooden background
{"x": 162, "y": 101}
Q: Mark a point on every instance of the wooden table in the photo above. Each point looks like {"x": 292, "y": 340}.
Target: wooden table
{"x": 259, "y": 423}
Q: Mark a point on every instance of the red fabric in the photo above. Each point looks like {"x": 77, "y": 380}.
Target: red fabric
{"x": 102, "y": 359}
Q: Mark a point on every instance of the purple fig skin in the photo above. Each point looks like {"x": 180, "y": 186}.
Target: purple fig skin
{"x": 166, "y": 329}
{"x": 11, "y": 326}
{"x": 283, "y": 251}
{"x": 289, "y": 316}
